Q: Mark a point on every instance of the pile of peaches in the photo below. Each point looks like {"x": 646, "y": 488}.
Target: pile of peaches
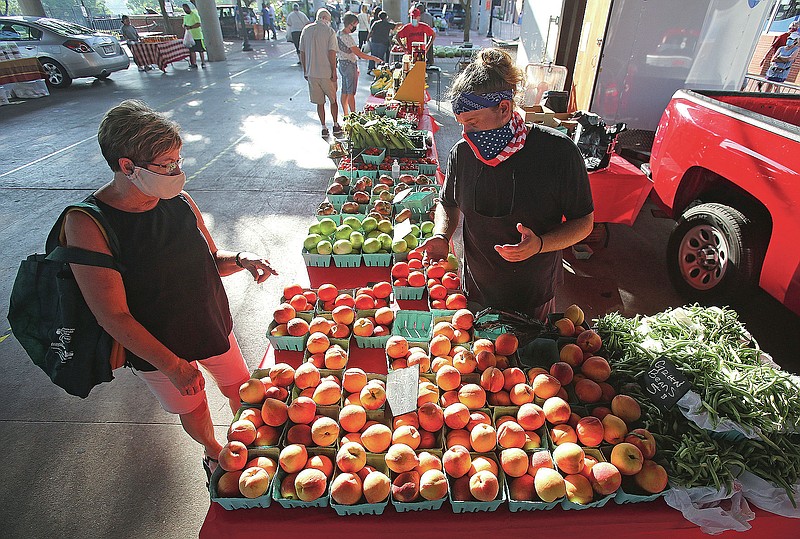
{"x": 440, "y": 279}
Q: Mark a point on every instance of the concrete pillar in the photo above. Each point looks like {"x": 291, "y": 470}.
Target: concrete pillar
{"x": 393, "y": 9}
{"x": 212, "y": 32}
{"x": 32, "y": 8}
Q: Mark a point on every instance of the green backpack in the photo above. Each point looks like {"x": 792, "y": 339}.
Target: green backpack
{"x": 50, "y": 318}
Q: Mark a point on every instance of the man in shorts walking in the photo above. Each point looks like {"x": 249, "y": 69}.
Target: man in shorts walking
{"x": 318, "y": 48}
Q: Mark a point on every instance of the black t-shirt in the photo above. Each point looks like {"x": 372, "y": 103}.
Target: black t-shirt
{"x": 539, "y": 186}
{"x": 380, "y": 31}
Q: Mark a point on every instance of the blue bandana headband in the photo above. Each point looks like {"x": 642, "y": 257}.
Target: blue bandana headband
{"x": 468, "y": 101}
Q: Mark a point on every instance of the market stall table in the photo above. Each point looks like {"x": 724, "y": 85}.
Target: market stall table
{"x": 161, "y": 54}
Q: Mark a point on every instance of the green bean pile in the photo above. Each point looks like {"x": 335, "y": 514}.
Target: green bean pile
{"x": 776, "y": 460}
{"x": 699, "y": 460}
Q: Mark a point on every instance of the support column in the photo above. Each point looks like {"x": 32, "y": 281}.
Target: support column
{"x": 32, "y": 8}
{"x": 392, "y": 8}
{"x": 212, "y": 32}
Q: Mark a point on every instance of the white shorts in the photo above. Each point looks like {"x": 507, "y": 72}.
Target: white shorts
{"x": 227, "y": 369}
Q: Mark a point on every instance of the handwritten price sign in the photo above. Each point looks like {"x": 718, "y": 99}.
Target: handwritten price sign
{"x": 665, "y": 384}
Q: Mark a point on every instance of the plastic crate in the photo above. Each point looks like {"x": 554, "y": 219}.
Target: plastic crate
{"x": 347, "y": 261}
{"x": 374, "y": 159}
{"x": 415, "y": 326}
{"x": 231, "y": 504}
{"x": 286, "y": 342}
{"x": 316, "y": 260}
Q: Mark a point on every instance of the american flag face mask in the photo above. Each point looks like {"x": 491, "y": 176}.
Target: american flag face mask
{"x": 492, "y": 146}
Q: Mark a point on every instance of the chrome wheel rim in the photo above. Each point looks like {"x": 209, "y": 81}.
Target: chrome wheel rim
{"x": 703, "y": 257}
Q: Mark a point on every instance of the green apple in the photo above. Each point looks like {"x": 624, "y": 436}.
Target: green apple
{"x": 324, "y": 247}
{"x": 415, "y": 231}
{"x": 314, "y": 229}
{"x": 312, "y": 251}
{"x": 374, "y": 233}
{"x": 327, "y": 226}
{"x": 452, "y": 262}
{"x": 352, "y": 222}
{"x": 411, "y": 241}
{"x": 369, "y": 224}
{"x": 426, "y": 227}
{"x": 399, "y": 246}
{"x": 385, "y": 225}
{"x": 343, "y": 232}
{"x": 371, "y": 245}
{"x": 386, "y": 241}
{"x": 342, "y": 247}
{"x": 357, "y": 239}
{"x": 311, "y": 241}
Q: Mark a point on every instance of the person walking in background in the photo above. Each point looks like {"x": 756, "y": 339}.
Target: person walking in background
{"x": 295, "y": 22}
{"x": 363, "y": 25}
{"x": 191, "y": 21}
{"x": 777, "y": 43}
{"x": 782, "y": 61}
{"x": 379, "y": 39}
{"x": 274, "y": 17}
{"x": 318, "y": 46}
{"x": 268, "y": 20}
{"x": 347, "y": 55}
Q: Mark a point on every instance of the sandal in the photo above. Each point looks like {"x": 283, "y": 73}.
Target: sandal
{"x": 337, "y": 129}
{"x": 325, "y": 132}
{"x": 209, "y": 465}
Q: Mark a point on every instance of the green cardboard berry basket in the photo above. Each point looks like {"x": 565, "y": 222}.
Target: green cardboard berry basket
{"x": 287, "y": 342}
{"x": 374, "y": 159}
{"x": 336, "y": 218}
{"x": 371, "y": 174}
{"x": 535, "y": 505}
{"x": 415, "y": 326}
{"x": 598, "y": 501}
{"x": 377, "y": 259}
{"x": 316, "y": 260}
{"x": 338, "y": 199}
{"x": 352, "y": 260}
{"x": 630, "y": 495}
{"x": 287, "y": 503}
{"x": 420, "y": 201}
{"x": 352, "y": 173}
{"x": 378, "y": 462}
{"x": 421, "y": 504}
{"x": 478, "y": 506}
{"x": 427, "y": 169}
{"x": 408, "y": 292}
{"x": 231, "y": 504}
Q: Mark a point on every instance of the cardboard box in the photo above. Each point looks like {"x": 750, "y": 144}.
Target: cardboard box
{"x": 539, "y": 114}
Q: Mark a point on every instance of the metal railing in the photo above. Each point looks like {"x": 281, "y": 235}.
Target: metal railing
{"x": 756, "y": 83}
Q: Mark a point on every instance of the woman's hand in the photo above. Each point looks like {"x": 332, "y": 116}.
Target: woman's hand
{"x": 528, "y": 246}
{"x": 186, "y": 378}
{"x": 258, "y": 267}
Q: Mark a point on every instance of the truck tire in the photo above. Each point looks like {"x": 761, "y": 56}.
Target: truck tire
{"x": 710, "y": 254}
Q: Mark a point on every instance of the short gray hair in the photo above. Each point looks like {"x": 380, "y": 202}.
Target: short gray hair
{"x": 323, "y": 13}
{"x": 134, "y": 130}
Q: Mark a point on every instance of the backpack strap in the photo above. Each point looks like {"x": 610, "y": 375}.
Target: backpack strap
{"x": 76, "y": 255}
{"x": 57, "y": 251}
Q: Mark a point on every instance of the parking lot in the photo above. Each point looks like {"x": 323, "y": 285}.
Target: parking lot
{"x": 115, "y": 464}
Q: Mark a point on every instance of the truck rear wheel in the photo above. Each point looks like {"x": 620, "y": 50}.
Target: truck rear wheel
{"x": 710, "y": 253}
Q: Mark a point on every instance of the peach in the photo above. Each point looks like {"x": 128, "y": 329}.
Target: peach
{"x": 501, "y": 398}
{"x": 287, "y": 487}
{"x": 253, "y": 415}
{"x": 578, "y": 489}
{"x": 588, "y": 391}
{"x": 401, "y": 458}
{"x": 600, "y": 412}
{"x": 302, "y": 410}
{"x": 549, "y": 485}
{"x": 456, "y": 461}
{"x": 266, "y": 436}
{"x": 511, "y": 434}
{"x": 626, "y": 408}
{"x": 530, "y": 416}
{"x": 324, "y": 431}
{"x": 563, "y": 433}
{"x": 352, "y": 418}
{"x": 327, "y": 292}
{"x": 279, "y": 331}
{"x": 514, "y": 462}
{"x": 615, "y": 429}
{"x": 502, "y": 362}
{"x": 588, "y": 463}
{"x": 590, "y": 431}
{"x": 433, "y": 485}
{"x": 596, "y": 368}
{"x": 512, "y": 377}
{"x": 310, "y": 484}
{"x": 252, "y": 391}
{"x": 532, "y": 440}
{"x": 346, "y": 489}
{"x": 440, "y": 345}
{"x": 463, "y": 319}
{"x": 483, "y": 438}
{"x": 254, "y": 482}
{"x": 318, "y": 360}
{"x": 483, "y": 463}
{"x": 460, "y": 490}
{"x": 428, "y": 461}
{"x": 506, "y": 344}
{"x": 384, "y": 316}
{"x": 363, "y": 327}
{"x": 608, "y": 392}
{"x": 448, "y": 378}
{"x": 277, "y": 393}
{"x": 431, "y": 417}
{"x": 397, "y": 347}
{"x": 427, "y": 392}
{"x": 565, "y": 327}
{"x": 281, "y": 375}
{"x": 448, "y": 398}
{"x": 274, "y": 412}
{"x": 372, "y": 396}
{"x": 465, "y": 362}
{"x": 322, "y": 463}
{"x": 351, "y": 437}
{"x": 327, "y": 393}
{"x": 242, "y": 431}
{"x": 266, "y": 463}
{"x": 343, "y": 315}
{"x": 484, "y": 486}
{"x": 477, "y": 417}
{"x": 376, "y": 438}
{"x": 546, "y": 386}
{"x": 569, "y": 458}
{"x": 228, "y": 485}
{"x": 351, "y": 457}
{"x": 642, "y": 439}
{"x": 306, "y": 375}
{"x": 376, "y": 487}
{"x": 353, "y": 380}
{"x": 320, "y": 325}
{"x": 492, "y": 379}
{"x": 460, "y": 336}
{"x": 335, "y": 358}
{"x": 317, "y": 343}
{"x": 572, "y": 355}
{"x": 605, "y": 478}
{"x": 562, "y": 371}
{"x": 410, "y": 418}
{"x": 652, "y": 478}
{"x": 398, "y": 364}
{"x": 533, "y": 372}
{"x": 627, "y": 458}
{"x": 443, "y": 328}
{"x": 297, "y": 327}
{"x": 406, "y": 434}
{"x": 556, "y": 410}
{"x": 293, "y": 458}
{"x": 540, "y": 459}
{"x": 283, "y": 313}
{"x": 458, "y": 437}
{"x": 589, "y": 341}
{"x": 439, "y": 362}
{"x": 472, "y": 395}
{"x": 485, "y": 359}
{"x": 456, "y": 416}
{"x": 233, "y": 456}
{"x": 405, "y": 487}
{"x": 419, "y": 358}
{"x": 521, "y": 488}
{"x": 340, "y": 331}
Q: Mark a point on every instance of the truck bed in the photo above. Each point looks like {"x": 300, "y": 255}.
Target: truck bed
{"x": 781, "y": 107}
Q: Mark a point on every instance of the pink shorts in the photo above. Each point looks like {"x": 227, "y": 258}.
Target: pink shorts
{"x": 227, "y": 369}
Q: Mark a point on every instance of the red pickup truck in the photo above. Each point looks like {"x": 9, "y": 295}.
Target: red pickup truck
{"x": 725, "y": 166}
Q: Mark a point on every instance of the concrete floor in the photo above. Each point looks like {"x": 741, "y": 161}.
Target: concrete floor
{"x": 115, "y": 464}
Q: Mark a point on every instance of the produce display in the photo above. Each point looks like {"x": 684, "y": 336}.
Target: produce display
{"x": 368, "y": 130}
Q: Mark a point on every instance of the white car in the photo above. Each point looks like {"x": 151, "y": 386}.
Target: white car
{"x": 66, "y": 50}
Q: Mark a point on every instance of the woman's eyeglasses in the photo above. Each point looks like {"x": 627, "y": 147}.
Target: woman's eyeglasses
{"x": 169, "y": 168}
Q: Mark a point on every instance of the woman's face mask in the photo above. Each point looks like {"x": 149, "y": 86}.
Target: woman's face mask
{"x": 157, "y": 185}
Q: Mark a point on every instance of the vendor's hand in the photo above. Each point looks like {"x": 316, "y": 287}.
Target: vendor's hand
{"x": 435, "y": 248}
{"x": 258, "y": 267}
{"x": 529, "y": 245}
{"x": 186, "y": 378}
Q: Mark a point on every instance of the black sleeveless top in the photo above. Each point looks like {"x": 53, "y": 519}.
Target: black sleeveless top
{"x": 171, "y": 280}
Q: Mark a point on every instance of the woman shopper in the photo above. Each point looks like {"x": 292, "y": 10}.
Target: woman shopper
{"x": 295, "y": 22}
{"x": 168, "y": 309}
{"x": 363, "y": 25}
{"x": 347, "y": 56}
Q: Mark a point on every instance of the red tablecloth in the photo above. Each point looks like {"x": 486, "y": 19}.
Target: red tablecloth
{"x": 160, "y": 54}
{"x": 637, "y": 521}
{"x": 20, "y": 70}
{"x": 619, "y": 192}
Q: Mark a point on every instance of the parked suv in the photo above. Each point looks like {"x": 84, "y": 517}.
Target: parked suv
{"x": 66, "y": 50}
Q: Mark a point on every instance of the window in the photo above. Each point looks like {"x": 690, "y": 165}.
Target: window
{"x": 19, "y": 32}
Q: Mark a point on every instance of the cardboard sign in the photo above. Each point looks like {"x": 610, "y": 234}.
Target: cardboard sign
{"x": 402, "y": 390}
{"x": 665, "y": 384}
{"x": 402, "y": 229}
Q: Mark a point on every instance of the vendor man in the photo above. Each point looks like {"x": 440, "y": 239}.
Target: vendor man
{"x": 524, "y": 194}
{"x": 416, "y": 32}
